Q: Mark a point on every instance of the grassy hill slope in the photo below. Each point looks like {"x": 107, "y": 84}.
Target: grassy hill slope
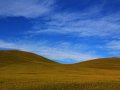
{"x": 21, "y": 70}
{"x": 21, "y": 57}
{"x": 103, "y": 63}
{"x": 14, "y": 61}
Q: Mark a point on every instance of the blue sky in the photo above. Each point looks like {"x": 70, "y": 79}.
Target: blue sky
{"x": 66, "y": 31}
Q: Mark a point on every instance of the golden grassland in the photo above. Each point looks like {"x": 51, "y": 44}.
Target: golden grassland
{"x": 26, "y": 71}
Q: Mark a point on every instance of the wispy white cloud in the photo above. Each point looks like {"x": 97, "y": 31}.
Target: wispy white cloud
{"x": 114, "y": 45}
{"x": 63, "y": 55}
{"x": 25, "y": 8}
{"x": 4, "y": 44}
{"x": 81, "y": 24}
{"x": 85, "y": 24}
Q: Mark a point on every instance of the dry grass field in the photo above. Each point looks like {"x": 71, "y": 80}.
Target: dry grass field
{"x": 26, "y": 71}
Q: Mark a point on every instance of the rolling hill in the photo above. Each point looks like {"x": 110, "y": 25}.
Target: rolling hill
{"x": 8, "y": 57}
{"x": 20, "y": 70}
{"x": 15, "y": 61}
{"x": 102, "y": 63}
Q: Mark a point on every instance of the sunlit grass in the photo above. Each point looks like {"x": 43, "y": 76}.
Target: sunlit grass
{"x": 25, "y": 73}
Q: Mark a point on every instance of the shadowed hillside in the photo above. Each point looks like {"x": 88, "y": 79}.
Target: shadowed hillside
{"x": 19, "y": 57}
{"x": 14, "y": 61}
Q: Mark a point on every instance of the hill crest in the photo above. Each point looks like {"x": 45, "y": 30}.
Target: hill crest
{"x": 21, "y": 57}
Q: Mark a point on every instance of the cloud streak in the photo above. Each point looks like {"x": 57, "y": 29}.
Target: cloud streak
{"x": 89, "y": 24}
{"x": 25, "y": 8}
{"x": 114, "y": 45}
{"x": 4, "y": 44}
{"x": 81, "y": 24}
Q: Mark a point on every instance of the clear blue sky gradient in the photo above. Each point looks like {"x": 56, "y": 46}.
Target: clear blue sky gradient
{"x": 66, "y": 31}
